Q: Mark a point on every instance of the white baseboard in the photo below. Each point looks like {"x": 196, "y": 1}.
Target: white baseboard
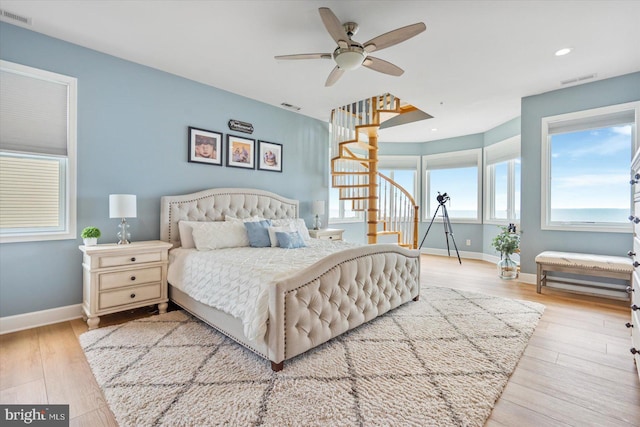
{"x": 528, "y": 278}
{"x": 34, "y": 319}
{"x": 443, "y": 252}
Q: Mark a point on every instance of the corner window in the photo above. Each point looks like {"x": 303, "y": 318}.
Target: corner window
{"x": 37, "y": 154}
{"x": 458, "y": 174}
{"x": 502, "y": 182}
{"x": 586, "y": 159}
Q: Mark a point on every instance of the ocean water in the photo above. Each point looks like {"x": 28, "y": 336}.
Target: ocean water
{"x": 591, "y": 215}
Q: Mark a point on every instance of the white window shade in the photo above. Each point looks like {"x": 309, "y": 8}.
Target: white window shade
{"x": 455, "y": 159}
{"x": 398, "y": 162}
{"x": 502, "y": 151}
{"x": 618, "y": 118}
{"x": 33, "y": 114}
{"x": 30, "y": 191}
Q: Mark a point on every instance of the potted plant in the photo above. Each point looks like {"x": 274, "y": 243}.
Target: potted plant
{"x": 507, "y": 242}
{"x": 90, "y": 236}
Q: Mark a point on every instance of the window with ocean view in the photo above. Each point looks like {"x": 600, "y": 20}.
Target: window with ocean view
{"x": 458, "y": 174}
{"x": 587, "y": 158}
{"x": 502, "y": 182}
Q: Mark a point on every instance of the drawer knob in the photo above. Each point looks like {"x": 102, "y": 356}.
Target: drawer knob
{"x": 636, "y": 264}
{"x": 629, "y": 289}
{"x": 634, "y": 351}
{"x": 628, "y": 325}
{"x": 133, "y": 295}
{"x": 133, "y": 278}
{"x": 635, "y": 307}
{"x": 133, "y": 259}
{"x": 631, "y": 254}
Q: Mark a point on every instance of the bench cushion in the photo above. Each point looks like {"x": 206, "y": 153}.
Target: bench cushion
{"x": 586, "y": 261}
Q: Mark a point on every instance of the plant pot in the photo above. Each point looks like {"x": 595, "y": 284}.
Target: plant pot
{"x": 507, "y": 268}
{"x": 90, "y": 241}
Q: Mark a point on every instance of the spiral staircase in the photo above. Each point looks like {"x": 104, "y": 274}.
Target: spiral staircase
{"x": 390, "y": 209}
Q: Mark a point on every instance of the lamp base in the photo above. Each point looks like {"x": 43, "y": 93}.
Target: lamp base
{"x": 317, "y": 224}
{"x": 123, "y": 234}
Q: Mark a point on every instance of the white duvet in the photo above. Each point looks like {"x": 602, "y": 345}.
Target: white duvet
{"x": 236, "y": 280}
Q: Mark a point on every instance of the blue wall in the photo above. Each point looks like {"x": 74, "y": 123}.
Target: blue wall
{"x": 132, "y": 138}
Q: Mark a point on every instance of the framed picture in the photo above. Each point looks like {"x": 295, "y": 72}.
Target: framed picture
{"x": 269, "y": 156}
{"x": 240, "y": 152}
{"x": 205, "y": 146}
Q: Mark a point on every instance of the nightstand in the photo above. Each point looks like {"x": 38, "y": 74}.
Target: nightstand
{"x": 122, "y": 277}
{"x": 327, "y": 233}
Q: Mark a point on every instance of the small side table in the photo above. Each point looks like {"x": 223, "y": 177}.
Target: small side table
{"x": 122, "y": 277}
{"x": 327, "y": 233}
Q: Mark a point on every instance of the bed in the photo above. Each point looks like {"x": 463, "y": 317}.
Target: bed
{"x": 305, "y": 307}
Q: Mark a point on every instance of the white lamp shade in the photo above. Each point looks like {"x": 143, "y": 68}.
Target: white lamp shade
{"x": 122, "y": 206}
{"x": 318, "y": 207}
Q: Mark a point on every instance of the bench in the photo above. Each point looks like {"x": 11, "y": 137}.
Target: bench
{"x": 613, "y": 267}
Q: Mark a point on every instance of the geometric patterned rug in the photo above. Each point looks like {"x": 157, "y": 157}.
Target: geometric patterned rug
{"x": 440, "y": 361}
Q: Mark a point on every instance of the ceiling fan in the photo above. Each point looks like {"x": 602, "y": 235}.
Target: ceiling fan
{"x": 350, "y": 54}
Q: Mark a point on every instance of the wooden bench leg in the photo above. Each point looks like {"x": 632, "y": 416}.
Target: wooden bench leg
{"x": 276, "y": 367}
{"x": 539, "y": 274}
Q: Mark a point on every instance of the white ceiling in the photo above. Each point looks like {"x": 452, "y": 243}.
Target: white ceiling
{"x": 469, "y": 69}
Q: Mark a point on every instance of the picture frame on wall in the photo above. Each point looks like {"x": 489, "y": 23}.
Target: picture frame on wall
{"x": 205, "y": 146}
{"x": 240, "y": 152}
{"x": 269, "y": 156}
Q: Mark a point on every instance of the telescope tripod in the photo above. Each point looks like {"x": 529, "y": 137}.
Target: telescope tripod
{"x": 448, "y": 230}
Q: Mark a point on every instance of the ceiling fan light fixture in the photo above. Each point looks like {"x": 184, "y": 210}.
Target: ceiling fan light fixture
{"x": 349, "y": 59}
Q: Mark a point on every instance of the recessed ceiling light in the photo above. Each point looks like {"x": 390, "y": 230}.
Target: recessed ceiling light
{"x": 434, "y": 129}
{"x": 563, "y": 51}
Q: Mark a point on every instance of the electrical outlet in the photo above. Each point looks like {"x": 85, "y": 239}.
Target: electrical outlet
{"x": 468, "y": 242}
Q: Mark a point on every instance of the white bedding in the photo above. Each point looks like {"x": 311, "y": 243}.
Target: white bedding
{"x": 236, "y": 280}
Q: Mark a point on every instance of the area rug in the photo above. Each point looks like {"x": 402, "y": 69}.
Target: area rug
{"x": 440, "y": 361}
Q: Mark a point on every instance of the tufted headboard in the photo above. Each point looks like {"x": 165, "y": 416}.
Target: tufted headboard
{"x": 214, "y": 204}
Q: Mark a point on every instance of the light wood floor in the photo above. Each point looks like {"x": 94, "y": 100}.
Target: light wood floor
{"x": 576, "y": 370}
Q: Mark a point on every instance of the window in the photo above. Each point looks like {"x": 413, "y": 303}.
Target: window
{"x": 342, "y": 210}
{"x": 586, "y": 159}
{"x": 37, "y": 154}
{"x": 458, "y": 174}
{"x": 502, "y": 182}
{"x": 403, "y": 170}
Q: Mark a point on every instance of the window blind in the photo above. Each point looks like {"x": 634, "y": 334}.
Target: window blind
{"x": 452, "y": 160}
{"x": 34, "y": 114}
{"x": 30, "y": 192}
{"x": 618, "y": 118}
{"x": 502, "y": 151}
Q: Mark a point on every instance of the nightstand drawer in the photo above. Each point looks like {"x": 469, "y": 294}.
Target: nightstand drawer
{"x": 130, "y": 277}
{"x": 330, "y": 237}
{"x": 129, "y": 296}
{"x": 114, "y": 261}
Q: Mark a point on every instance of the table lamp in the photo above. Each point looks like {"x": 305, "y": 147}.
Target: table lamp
{"x": 317, "y": 209}
{"x": 122, "y": 206}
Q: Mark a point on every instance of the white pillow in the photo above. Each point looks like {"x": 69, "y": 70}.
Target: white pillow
{"x": 285, "y": 229}
{"x": 298, "y": 223}
{"x": 219, "y": 235}
{"x": 186, "y": 234}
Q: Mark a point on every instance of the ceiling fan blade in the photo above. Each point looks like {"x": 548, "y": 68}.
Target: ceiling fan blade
{"x": 305, "y": 56}
{"x": 394, "y": 37}
{"x": 334, "y": 27}
{"x": 335, "y": 74}
{"x": 382, "y": 66}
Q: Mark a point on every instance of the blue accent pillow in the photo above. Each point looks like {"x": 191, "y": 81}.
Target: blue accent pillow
{"x": 290, "y": 240}
{"x": 258, "y": 233}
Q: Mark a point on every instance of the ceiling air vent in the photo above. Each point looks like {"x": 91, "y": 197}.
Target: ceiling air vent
{"x": 290, "y": 106}
{"x": 5, "y": 15}
{"x": 578, "y": 79}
